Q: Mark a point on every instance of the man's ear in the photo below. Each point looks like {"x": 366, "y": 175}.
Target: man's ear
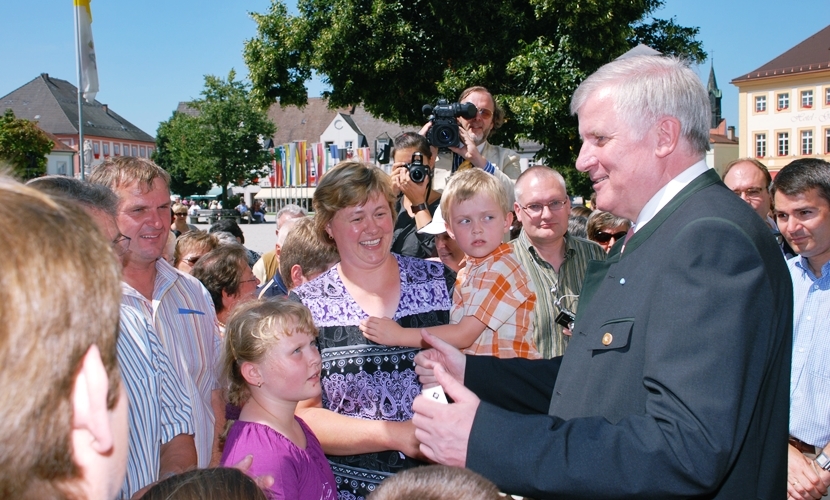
{"x": 297, "y": 277}
{"x": 668, "y": 136}
{"x": 90, "y": 415}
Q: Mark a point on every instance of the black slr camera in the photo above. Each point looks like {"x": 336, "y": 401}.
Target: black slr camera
{"x": 444, "y": 131}
{"x": 417, "y": 170}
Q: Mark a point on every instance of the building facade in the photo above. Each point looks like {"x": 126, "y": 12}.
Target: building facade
{"x": 53, "y": 104}
{"x": 784, "y": 106}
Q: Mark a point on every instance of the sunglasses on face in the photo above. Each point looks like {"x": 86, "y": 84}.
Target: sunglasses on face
{"x": 180, "y": 214}
{"x": 485, "y": 113}
{"x": 603, "y": 237}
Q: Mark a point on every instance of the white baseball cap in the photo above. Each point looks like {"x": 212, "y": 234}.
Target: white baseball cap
{"x": 437, "y": 226}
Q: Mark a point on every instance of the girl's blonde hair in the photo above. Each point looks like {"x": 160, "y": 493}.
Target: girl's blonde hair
{"x": 253, "y": 328}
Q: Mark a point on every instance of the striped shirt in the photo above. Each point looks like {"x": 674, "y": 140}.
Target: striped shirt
{"x": 548, "y": 335}
{"x": 159, "y": 408}
{"x": 810, "y": 375}
{"x": 496, "y": 291}
{"x": 182, "y": 315}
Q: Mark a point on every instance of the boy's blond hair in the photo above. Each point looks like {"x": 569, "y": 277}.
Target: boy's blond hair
{"x": 469, "y": 183}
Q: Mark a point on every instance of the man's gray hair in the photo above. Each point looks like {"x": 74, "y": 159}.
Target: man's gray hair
{"x": 94, "y": 196}
{"x": 646, "y": 88}
{"x": 293, "y": 210}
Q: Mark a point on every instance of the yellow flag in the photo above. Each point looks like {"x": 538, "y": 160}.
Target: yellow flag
{"x": 86, "y": 50}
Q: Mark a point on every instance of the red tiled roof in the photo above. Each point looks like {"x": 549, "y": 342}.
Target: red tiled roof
{"x": 811, "y": 55}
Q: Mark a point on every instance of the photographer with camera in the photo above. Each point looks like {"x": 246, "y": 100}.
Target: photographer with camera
{"x": 412, "y": 180}
{"x": 473, "y": 149}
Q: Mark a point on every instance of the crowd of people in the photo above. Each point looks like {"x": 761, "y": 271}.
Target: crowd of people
{"x": 664, "y": 343}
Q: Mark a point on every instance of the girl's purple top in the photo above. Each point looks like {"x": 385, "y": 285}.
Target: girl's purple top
{"x": 298, "y": 474}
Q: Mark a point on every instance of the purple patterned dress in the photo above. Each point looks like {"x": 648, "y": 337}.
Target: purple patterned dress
{"x": 366, "y": 380}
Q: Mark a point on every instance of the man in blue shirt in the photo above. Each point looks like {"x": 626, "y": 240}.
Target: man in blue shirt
{"x": 802, "y": 210}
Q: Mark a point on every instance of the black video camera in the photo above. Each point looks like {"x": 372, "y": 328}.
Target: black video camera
{"x": 444, "y": 131}
{"x": 417, "y": 170}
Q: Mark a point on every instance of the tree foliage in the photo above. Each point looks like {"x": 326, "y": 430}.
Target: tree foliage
{"x": 219, "y": 142}
{"x": 396, "y": 55}
{"x": 24, "y": 146}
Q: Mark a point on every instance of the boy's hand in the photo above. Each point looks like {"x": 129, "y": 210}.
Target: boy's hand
{"x": 382, "y": 331}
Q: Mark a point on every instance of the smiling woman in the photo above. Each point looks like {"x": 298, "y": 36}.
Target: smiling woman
{"x": 363, "y": 416}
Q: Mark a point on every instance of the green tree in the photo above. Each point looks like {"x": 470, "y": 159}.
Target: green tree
{"x": 396, "y": 55}
{"x": 218, "y": 143}
{"x": 24, "y": 146}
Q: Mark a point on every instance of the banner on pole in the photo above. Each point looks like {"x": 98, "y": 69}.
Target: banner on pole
{"x": 86, "y": 50}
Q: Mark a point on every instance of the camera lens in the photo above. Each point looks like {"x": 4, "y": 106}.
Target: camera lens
{"x": 416, "y": 173}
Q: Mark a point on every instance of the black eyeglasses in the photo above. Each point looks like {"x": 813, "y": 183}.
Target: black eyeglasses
{"x": 121, "y": 244}
{"x": 180, "y": 214}
{"x": 603, "y": 237}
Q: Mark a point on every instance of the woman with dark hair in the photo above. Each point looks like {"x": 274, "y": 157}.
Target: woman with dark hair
{"x": 417, "y": 202}
{"x": 363, "y": 417}
{"x": 225, "y": 273}
{"x": 606, "y": 228}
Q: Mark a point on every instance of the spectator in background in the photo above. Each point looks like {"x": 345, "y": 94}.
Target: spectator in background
{"x": 258, "y": 211}
{"x": 244, "y": 212}
{"x": 417, "y": 202}
{"x": 269, "y": 264}
{"x": 226, "y": 275}
{"x": 578, "y": 221}
{"x": 750, "y": 179}
{"x": 304, "y": 256}
{"x": 180, "y": 225}
{"x": 190, "y": 247}
{"x": 194, "y": 208}
{"x": 230, "y": 226}
{"x": 605, "y": 228}
{"x": 62, "y": 402}
{"x": 555, "y": 260}
{"x": 449, "y": 253}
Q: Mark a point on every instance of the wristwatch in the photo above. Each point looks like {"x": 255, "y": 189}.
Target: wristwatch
{"x": 823, "y": 461}
{"x": 417, "y": 208}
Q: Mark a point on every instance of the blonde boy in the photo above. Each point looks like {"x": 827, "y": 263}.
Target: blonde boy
{"x": 492, "y": 312}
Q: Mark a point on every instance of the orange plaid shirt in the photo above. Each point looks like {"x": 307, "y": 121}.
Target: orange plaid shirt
{"x": 497, "y": 291}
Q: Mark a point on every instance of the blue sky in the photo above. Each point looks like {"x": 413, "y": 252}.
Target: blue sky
{"x": 154, "y": 54}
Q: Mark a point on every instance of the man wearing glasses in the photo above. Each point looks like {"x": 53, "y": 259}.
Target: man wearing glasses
{"x": 476, "y": 152}
{"x": 490, "y": 118}
{"x": 554, "y": 260}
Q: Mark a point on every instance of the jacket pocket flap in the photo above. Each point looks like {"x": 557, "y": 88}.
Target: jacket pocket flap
{"x": 613, "y": 335}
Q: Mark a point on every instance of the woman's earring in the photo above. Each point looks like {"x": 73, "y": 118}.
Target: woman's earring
{"x": 259, "y": 384}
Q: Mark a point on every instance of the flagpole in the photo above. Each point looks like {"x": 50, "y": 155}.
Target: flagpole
{"x": 80, "y": 91}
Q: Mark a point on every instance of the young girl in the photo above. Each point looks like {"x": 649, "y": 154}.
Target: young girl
{"x": 270, "y": 362}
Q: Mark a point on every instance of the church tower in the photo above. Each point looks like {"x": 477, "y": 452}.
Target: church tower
{"x": 714, "y": 98}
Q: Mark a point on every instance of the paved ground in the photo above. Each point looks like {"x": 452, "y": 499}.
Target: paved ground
{"x": 258, "y": 237}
